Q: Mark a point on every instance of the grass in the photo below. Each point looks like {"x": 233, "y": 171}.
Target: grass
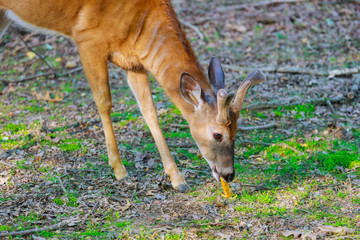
{"x": 284, "y": 169}
{"x": 303, "y": 175}
{"x": 297, "y": 111}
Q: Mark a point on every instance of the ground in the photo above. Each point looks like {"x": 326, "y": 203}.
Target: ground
{"x": 299, "y": 178}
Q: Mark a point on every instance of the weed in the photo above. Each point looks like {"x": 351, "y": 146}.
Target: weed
{"x": 13, "y": 128}
{"x": 123, "y": 224}
{"x": 58, "y": 201}
{"x": 4, "y": 227}
{"x": 356, "y": 200}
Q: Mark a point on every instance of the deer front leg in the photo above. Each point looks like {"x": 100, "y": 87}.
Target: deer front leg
{"x": 140, "y": 86}
{"x": 95, "y": 67}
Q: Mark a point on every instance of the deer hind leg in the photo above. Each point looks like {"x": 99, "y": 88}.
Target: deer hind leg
{"x": 4, "y": 22}
{"x": 95, "y": 66}
{"x": 140, "y": 86}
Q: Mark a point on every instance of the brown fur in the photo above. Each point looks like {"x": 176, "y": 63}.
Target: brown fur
{"x": 139, "y": 36}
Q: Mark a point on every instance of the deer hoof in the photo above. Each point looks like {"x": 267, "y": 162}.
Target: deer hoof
{"x": 182, "y": 188}
{"x": 120, "y": 173}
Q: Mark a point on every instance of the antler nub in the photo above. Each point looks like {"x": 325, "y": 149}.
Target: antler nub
{"x": 254, "y": 78}
{"x": 223, "y": 102}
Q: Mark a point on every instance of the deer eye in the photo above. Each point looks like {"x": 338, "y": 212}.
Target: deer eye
{"x": 218, "y": 137}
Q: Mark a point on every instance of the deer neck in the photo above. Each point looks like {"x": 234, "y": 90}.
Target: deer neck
{"x": 164, "y": 51}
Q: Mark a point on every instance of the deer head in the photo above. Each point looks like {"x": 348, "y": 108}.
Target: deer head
{"x": 213, "y": 124}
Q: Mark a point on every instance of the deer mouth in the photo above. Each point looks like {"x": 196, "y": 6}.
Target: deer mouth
{"x": 216, "y": 174}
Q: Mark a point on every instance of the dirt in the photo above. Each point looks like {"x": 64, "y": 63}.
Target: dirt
{"x": 292, "y": 180}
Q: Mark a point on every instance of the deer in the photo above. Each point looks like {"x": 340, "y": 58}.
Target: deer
{"x": 142, "y": 37}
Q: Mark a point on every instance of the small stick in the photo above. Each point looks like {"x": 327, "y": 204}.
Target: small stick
{"x": 193, "y": 27}
{"x": 61, "y": 184}
{"x": 26, "y": 79}
{"x": 8, "y": 164}
{"x": 92, "y": 212}
{"x": 36, "y": 230}
{"x": 270, "y": 125}
{"x": 39, "y": 55}
{"x": 293, "y": 70}
{"x": 284, "y": 145}
{"x": 331, "y": 106}
{"x": 258, "y": 4}
{"x": 300, "y": 209}
{"x": 190, "y": 145}
{"x": 178, "y": 125}
{"x": 40, "y": 75}
{"x": 330, "y": 185}
{"x": 141, "y": 212}
{"x": 254, "y": 143}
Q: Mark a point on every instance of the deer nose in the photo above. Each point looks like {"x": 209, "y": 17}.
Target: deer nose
{"x": 228, "y": 177}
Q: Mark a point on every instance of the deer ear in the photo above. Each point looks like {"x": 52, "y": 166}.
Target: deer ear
{"x": 216, "y": 74}
{"x": 190, "y": 90}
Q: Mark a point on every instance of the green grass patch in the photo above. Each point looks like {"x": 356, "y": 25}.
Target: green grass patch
{"x": 58, "y": 201}
{"x": 13, "y": 128}
{"x": 297, "y": 111}
{"x": 4, "y": 227}
{"x": 126, "y": 117}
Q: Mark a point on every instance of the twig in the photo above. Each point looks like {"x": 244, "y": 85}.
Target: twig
{"x": 254, "y": 143}
{"x": 257, "y": 187}
{"x": 36, "y": 230}
{"x": 300, "y": 209}
{"x": 8, "y": 164}
{"x": 219, "y": 224}
{"x": 40, "y": 75}
{"x": 26, "y": 79}
{"x": 78, "y": 69}
{"x": 178, "y": 125}
{"x": 333, "y": 111}
{"x": 345, "y": 71}
{"x": 249, "y": 185}
{"x": 77, "y": 124}
{"x": 330, "y": 185}
{"x": 39, "y": 55}
{"x": 331, "y": 106}
{"x": 61, "y": 184}
{"x": 295, "y": 70}
{"x": 190, "y": 145}
{"x": 92, "y": 212}
{"x": 284, "y": 145}
{"x": 141, "y": 212}
{"x": 193, "y": 27}
{"x": 270, "y": 125}
{"x": 258, "y": 4}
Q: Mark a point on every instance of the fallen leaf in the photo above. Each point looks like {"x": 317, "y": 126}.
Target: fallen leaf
{"x": 11, "y": 88}
{"x": 70, "y": 64}
{"x": 160, "y": 197}
{"x": 30, "y": 54}
{"x": 38, "y": 158}
{"x": 150, "y": 163}
{"x": 47, "y": 97}
{"x": 126, "y": 206}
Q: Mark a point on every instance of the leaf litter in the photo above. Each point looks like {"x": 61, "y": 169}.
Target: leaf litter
{"x": 35, "y": 163}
